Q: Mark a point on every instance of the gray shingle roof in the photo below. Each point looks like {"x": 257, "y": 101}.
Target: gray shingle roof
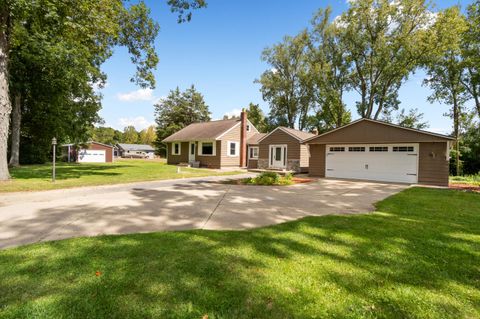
{"x": 299, "y": 134}
{"x": 135, "y": 147}
{"x": 204, "y": 130}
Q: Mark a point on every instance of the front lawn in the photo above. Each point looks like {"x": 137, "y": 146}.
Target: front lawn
{"x": 38, "y": 177}
{"x": 417, "y": 256}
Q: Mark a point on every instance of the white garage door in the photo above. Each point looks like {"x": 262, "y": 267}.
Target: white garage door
{"x": 91, "y": 156}
{"x": 387, "y": 163}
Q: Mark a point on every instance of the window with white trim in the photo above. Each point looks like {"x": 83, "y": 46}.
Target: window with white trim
{"x": 207, "y": 148}
{"x": 356, "y": 149}
{"x": 248, "y": 127}
{"x": 232, "y": 148}
{"x": 403, "y": 148}
{"x": 176, "y": 149}
{"x": 378, "y": 148}
{"x": 253, "y": 152}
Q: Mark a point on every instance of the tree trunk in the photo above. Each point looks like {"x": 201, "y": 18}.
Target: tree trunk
{"x": 16, "y": 124}
{"x": 5, "y": 105}
{"x": 456, "y": 130}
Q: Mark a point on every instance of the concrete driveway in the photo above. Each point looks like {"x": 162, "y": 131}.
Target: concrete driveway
{"x": 201, "y": 203}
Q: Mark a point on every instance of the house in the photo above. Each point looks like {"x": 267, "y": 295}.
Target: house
{"x": 374, "y": 150}
{"x": 135, "y": 151}
{"x": 253, "y": 150}
{"x": 213, "y": 144}
{"x": 90, "y": 152}
{"x": 282, "y": 149}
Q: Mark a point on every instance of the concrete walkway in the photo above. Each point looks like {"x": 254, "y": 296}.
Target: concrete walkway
{"x": 199, "y": 203}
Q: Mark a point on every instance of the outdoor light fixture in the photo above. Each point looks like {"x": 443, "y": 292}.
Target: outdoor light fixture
{"x": 54, "y": 143}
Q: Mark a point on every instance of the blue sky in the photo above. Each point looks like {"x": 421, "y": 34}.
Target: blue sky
{"x": 219, "y": 52}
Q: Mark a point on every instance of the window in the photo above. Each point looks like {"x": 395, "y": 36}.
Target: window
{"x": 378, "y": 148}
{"x": 253, "y": 152}
{"x": 176, "y": 149}
{"x": 337, "y": 149}
{"x": 207, "y": 148}
{"x": 356, "y": 149}
{"x": 232, "y": 149}
{"x": 403, "y": 148}
{"x": 248, "y": 127}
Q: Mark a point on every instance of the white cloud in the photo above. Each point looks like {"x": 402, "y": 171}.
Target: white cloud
{"x": 137, "y": 95}
{"x": 232, "y": 113}
{"x": 139, "y": 122}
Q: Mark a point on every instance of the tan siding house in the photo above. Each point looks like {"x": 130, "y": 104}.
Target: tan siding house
{"x": 379, "y": 151}
{"x": 214, "y": 144}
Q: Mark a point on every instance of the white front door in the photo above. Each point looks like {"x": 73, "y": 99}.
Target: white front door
{"x": 278, "y": 156}
{"x": 386, "y": 163}
{"x": 191, "y": 152}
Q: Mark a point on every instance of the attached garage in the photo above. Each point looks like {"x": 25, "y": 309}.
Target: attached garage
{"x": 378, "y": 151}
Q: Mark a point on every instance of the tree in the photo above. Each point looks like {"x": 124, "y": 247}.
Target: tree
{"x": 444, "y": 73}
{"x": 471, "y": 54}
{"x": 256, "y": 117}
{"x": 130, "y": 135}
{"x": 88, "y": 30}
{"x": 385, "y": 41}
{"x": 286, "y": 84}
{"x": 470, "y": 148}
{"x": 176, "y": 111}
{"x": 330, "y": 74}
{"x": 412, "y": 119}
{"x": 106, "y": 135}
{"x": 148, "y": 135}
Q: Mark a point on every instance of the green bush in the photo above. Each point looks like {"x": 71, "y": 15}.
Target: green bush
{"x": 270, "y": 178}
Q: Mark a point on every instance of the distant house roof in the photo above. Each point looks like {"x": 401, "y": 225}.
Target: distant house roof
{"x": 89, "y": 142}
{"x": 299, "y": 135}
{"x": 135, "y": 147}
{"x": 203, "y": 131}
{"x": 253, "y": 140}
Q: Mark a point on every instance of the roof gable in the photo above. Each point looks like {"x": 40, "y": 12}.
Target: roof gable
{"x": 372, "y": 131}
{"x": 203, "y": 130}
{"x": 296, "y": 134}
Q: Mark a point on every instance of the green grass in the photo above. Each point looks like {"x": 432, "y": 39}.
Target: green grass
{"x": 39, "y": 177}
{"x": 418, "y": 256}
{"x": 467, "y": 179}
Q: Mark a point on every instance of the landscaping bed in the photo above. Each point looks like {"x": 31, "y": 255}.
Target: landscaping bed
{"x": 270, "y": 179}
{"x": 466, "y": 183}
{"x": 415, "y": 257}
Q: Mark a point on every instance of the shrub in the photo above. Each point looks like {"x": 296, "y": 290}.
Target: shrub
{"x": 270, "y": 178}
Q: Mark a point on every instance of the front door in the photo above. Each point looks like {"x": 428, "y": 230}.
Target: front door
{"x": 191, "y": 152}
{"x": 278, "y": 156}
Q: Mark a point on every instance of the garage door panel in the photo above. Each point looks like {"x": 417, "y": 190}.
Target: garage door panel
{"x": 379, "y": 166}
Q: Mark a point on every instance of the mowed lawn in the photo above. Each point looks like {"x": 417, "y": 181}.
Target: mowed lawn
{"x": 417, "y": 256}
{"x": 39, "y": 177}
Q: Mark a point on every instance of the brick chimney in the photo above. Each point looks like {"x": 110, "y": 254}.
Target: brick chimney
{"x": 243, "y": 138}
{"x": 315, "y": 131}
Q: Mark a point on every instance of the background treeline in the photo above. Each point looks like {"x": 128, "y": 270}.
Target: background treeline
{"x": 129, "y": 135}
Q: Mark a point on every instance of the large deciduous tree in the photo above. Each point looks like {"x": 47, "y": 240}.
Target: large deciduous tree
{"x": 385, "y": 41}
{"x": 83, "y": 34}
{"x": 471, "y": 54}
{"x": 329, "y": 72}
{"x": 176, "y": 111}
{"x": 444, "y": 72}
{"x": 286, "y": 85}
{"x": 257, "y": 118}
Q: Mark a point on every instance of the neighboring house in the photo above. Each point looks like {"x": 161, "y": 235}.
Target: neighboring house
{"x": 283, "y": 149}
{"x": 91, "y": 152}
{"x": 213, "y": 144}
{"x": 379, "y": 151}
{"x": 135, "y": 151}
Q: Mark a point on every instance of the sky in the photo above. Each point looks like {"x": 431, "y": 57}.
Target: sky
{"x": 219, "y": 52}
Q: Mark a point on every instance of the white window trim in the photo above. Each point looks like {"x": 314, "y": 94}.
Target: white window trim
{"x": 179, "y": 148}
{"x": 237, "y": 146}
{"x": 200, "y": 148}
{"x": 253, "y": 157}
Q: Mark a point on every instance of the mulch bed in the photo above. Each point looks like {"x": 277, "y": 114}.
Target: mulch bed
{"x": 295, "y": 180}
{"x": 465, "y": 187}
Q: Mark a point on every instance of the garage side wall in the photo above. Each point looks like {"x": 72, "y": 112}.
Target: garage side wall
{"x": 108, "y": 151}
{"x": 317, "y": 160}
{"x": 433, "y": 164}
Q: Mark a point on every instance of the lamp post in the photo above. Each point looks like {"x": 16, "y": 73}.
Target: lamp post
{"x": 54, "y": 143}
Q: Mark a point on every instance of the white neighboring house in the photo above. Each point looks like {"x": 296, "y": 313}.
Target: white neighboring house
{"x": 135, "y": 151}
